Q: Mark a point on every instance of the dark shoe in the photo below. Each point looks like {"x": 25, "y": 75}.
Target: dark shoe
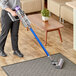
{"x": 18, "y": 53}
{"x": 2, "y": 53}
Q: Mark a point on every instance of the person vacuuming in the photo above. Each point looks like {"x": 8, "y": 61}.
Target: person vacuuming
{"x": 26, "y": 22}
{"x": 8, "y": 25}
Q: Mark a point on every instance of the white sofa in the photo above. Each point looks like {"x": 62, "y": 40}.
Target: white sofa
{"x": 60, "y": 9}
{"x": 67, "y": 13}
{"x": 32, "y": 5}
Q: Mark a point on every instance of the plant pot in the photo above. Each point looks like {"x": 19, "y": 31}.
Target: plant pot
{"x": 45, "y": 18}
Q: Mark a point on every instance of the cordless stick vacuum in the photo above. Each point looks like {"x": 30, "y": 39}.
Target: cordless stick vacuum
{"x": 22, "y": 16}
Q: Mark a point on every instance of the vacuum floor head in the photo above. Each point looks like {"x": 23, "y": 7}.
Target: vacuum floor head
{"x": 58, "y": 64}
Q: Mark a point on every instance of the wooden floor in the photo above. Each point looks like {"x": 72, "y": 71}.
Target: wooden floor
{"x": 31, "y": 49}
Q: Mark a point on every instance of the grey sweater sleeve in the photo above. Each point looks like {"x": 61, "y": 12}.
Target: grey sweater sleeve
{"x": 4, "y": 4}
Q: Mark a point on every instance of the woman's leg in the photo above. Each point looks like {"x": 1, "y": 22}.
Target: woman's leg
{"x": 14, "y": 34}
{"x": 14, "y": 38}
{"x": 5, "y": 25}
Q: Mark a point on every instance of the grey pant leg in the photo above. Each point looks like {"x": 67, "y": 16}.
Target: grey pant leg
{"x": 5, "y": 25}
{"x": 14, "y": 35}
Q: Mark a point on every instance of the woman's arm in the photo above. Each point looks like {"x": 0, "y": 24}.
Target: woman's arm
{"x": 4, "y": 5}
{"x": 11, "y": 11}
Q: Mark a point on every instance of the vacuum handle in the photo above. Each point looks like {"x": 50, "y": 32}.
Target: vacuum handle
{"x": 12, "y": 17}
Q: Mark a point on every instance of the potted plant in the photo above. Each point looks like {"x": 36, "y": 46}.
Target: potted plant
{"x": 45, "y": 14}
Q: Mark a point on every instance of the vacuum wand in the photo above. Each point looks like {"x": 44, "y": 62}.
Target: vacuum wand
{"x": 26, "y": 22}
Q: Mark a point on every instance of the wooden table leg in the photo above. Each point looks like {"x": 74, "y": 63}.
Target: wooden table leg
{"x": 46, "y": 37}
{"x": 27, "y": 28}
{"x": 60, "y": 35}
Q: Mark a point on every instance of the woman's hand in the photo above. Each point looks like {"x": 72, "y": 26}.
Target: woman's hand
{"x": 13, "y": 13}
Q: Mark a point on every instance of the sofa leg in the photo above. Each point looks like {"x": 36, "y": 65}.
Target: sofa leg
{"x": 50, "y": 14}
{"x": 62, "y": 21}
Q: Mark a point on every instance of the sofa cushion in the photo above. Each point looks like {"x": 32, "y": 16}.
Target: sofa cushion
{"x": 55, "y": 6}
{"x": 67, "y": 13}
{"x": 31, "y": 5}
{"x": 61, "y": 2}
